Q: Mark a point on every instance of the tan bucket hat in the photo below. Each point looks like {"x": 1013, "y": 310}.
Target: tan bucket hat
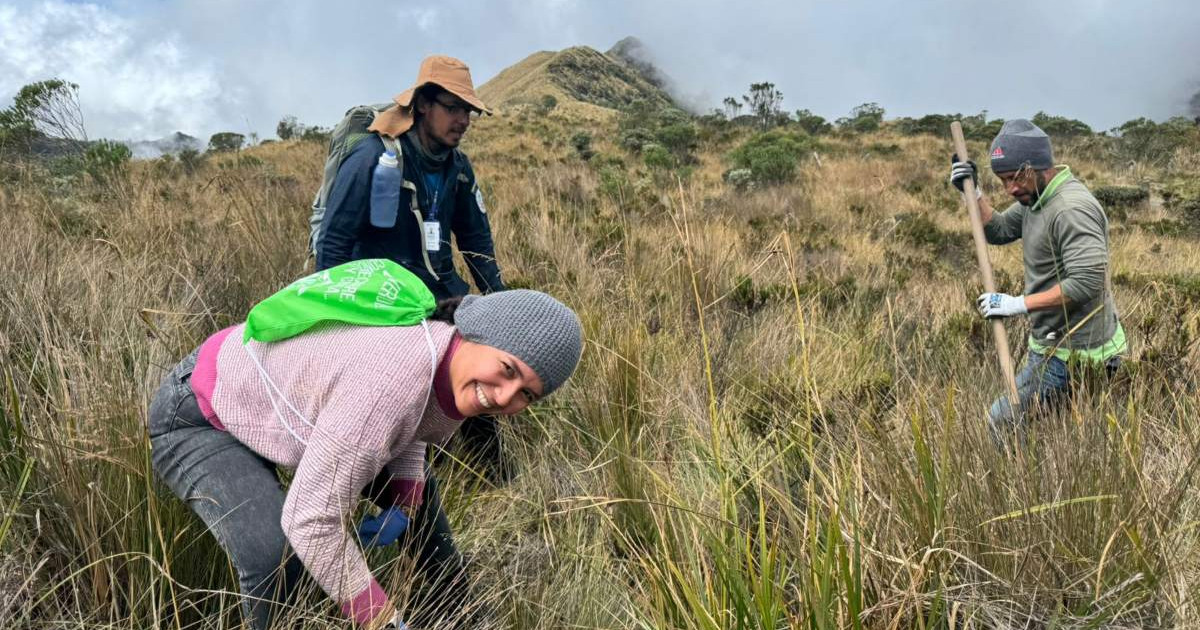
{"x": 449, "y": 73}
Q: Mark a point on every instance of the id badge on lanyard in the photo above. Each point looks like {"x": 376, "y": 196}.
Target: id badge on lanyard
{"x": 433, "y": 235}
{"x": 433, "y": 228}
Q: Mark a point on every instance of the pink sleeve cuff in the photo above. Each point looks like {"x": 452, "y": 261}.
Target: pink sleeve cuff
{"x": 367, "y": 605}
{"x": 409, "y": 492}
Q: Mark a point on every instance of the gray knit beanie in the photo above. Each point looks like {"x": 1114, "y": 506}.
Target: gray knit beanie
{"x": 1020, "y": 142}
{"x": 534, "y": 327}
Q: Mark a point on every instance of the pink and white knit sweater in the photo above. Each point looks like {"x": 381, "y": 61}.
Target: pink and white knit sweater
{"x": 367, "y": 404}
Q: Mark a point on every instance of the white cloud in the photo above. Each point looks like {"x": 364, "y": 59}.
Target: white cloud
{"x": 150, "y": 67}
{"x": 425, "y": 18}
{"x": 134, "y": 82}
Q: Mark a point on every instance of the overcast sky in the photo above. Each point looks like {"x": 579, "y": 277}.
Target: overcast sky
{"x": 147, "y": 68}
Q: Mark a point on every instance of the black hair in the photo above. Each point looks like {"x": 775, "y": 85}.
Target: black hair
{"x": 427, "y": 93}
{"x": 444, "y": 311}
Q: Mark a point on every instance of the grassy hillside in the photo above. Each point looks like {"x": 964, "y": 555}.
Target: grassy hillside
{"x": 778, "y": 421}
{"x": 577, "y": 76}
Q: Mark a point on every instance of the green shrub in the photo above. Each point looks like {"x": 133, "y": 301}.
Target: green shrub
{"x": 1060, "y": 126}
{"x": 226, "y": 142}
{"x": 986, "y": 131}
{"x": 547, "y": 103}
{"x": 1120, "y": 196}
{"x": 1181, "y": 189}
{"x": 740, "y": 178}
{"x": 811, "y": 123}
{"x": 668, "y": 116}
{"x": 43, "y": 110}
{"x": 643, "y": 123}
{"x": 1189, "y": 213}
{"x": 640, "y": 114}
{"x": 679, "y": 137}
{"x": 975, "y": 126}
{"x": 191, "y": 160}
{"x": 920, "y": 232}
{"x": 582, "y": 142}
{"x": 316, "y": 134}
{"x": 772, "y": 156}
{"x": 1098, "y": 147}
{"x": 657, "y": 156}
{"x": 288, "y": 128}
{"x": 106, "y": 161}
{"x": 1144, "y": 140}
{"x": 863, "y": 119}
{"x": 634, "y": 139}
{"x": 764, "y": 101}
{"x": 715, "y": 121}
{"x": 614, "y": 183}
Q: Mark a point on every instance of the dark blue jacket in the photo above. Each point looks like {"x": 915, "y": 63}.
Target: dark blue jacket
{"x": 347, "y": 233}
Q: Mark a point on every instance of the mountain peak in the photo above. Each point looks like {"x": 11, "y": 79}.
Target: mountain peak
{"x": 580, "y": 73}
{"x": 632, "y": 51}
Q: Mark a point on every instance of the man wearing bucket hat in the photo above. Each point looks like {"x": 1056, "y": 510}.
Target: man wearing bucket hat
{"x": 400, "y": 191}
{"x": 437, "y": 192}
{"x": 1068, "y": 296}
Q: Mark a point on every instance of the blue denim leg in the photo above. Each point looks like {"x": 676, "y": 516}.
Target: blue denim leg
{"x": 232, "y": 489}
{"x": 1041, "y": 383}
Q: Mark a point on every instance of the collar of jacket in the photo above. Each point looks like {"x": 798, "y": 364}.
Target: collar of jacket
{"x": 1064, "y": 174}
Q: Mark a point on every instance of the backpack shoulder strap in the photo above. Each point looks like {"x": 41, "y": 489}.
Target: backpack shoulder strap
{"x": 346, "y": 135}
{"x": 395, "y": 146}
{"x": 392, "y": 145}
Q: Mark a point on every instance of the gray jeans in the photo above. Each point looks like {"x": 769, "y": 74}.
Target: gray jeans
{"x": 231, "y": 488}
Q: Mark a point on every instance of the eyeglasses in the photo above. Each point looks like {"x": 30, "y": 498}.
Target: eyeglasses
{"x": 458, "y": 108}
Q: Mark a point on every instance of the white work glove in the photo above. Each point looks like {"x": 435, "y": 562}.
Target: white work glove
{"x": 960, "y": 171}
{"x": 993, "y": 305}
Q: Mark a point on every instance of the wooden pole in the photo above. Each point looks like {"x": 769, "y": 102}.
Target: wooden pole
{"x": 985, "y": 267}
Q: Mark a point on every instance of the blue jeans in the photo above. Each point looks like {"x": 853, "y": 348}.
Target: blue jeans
{"x": 1042, "y": 384}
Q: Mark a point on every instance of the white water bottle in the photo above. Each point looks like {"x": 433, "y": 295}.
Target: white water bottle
{"x": 385, "y": 191}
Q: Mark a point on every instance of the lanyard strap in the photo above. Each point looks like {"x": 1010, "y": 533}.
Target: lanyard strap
{"x": 434, "y": 182}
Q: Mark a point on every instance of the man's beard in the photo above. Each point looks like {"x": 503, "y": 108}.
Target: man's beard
{"x": 449, "y": 141}
{"x": 1040, "y": 187}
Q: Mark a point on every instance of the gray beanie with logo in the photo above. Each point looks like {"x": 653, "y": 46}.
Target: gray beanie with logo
{"x": 1021, "y": 142}
{"x": 532, "y": 326}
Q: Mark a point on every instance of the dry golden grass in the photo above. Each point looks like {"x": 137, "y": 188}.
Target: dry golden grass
{"x": 778, "y": 421}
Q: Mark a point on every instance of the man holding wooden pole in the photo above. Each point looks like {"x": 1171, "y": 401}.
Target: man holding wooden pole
{"x": 1068, "y": 297}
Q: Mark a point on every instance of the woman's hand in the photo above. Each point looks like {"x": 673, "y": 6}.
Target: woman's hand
{"x": 383, "y": 529}
{"x": 389, "y": 619}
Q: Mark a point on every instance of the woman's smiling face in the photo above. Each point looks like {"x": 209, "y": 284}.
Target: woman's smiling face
{"x": 489, "y": 381}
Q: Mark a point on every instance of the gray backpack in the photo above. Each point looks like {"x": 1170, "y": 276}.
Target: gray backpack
{"x": 345, "y": 136}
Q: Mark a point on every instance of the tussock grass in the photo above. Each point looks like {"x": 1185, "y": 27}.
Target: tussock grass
{"x": 778, "y": 422}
